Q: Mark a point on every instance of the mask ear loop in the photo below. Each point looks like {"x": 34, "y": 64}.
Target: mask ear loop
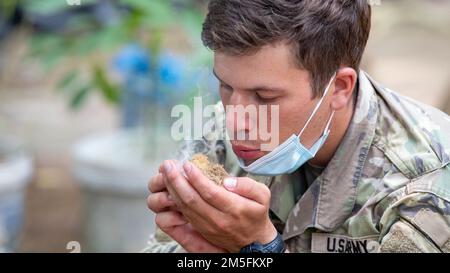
{"x": 327, "y": 128}
{"x": 317, "y": 107}
{"x": 316, "y": 146}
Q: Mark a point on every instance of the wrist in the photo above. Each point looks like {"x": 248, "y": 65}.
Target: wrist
{"x": 268, "y": 234}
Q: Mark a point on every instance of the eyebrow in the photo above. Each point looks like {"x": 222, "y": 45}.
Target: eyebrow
{"x": 254, "y": 89}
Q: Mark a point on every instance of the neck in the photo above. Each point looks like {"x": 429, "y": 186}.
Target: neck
{"x": 342, "y": 120}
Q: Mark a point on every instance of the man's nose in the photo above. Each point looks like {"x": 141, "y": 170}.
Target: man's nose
{"x": 236, "y": 122}
{"x": 239, "y": 97}
{"x": 240, "y": 122}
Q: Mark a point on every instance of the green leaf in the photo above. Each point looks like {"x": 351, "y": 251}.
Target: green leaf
{"x": 156, "y": 12}
{"x": 48, "y": 49}
{"x": 44, "y": 7}
{"x": 155, "y": 43}
{"x": 67, "y": 80}
{"x": 109, "y": 91}
{"x": 192, "y": 23}
{"x": 111, "y": 38}
{"x": 7, "y": 7}
{"x": 80, "y": 97}
{"x": 49, "y": 6}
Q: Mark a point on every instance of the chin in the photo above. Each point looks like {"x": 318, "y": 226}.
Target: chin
{"x": 248, "y": 162}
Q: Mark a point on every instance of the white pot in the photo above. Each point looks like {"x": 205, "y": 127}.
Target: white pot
{"x": 16, "y": 169}
{"x": 113, "y": 176}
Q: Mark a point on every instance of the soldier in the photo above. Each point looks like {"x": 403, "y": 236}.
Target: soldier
{"x": 360, "y": 168}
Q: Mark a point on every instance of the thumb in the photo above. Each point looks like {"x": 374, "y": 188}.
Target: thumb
{"x": 248, "y": 188}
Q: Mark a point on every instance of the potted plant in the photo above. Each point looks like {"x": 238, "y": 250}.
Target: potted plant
{"x": 139, "y": 73}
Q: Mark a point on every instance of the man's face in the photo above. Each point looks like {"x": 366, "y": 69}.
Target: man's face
{"x": 265, "y": 78}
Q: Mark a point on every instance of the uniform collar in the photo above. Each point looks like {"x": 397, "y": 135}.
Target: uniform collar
{"x": 329, "y": 201}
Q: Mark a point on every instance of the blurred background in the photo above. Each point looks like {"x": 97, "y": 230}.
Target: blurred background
{"x": 85, "y": 98}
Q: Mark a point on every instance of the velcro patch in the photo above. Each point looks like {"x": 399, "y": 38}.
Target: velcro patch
{"x": 433, "y": 225}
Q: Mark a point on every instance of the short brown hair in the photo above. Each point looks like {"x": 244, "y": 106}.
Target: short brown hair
{"x": 324, "y": 34}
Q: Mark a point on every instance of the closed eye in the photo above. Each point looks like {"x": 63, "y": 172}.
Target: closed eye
{"x": 266, "y": 99}
{"x": 226, "y": 86}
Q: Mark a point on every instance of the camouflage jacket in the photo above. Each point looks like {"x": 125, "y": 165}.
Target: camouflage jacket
{"x": 387, "y": 188}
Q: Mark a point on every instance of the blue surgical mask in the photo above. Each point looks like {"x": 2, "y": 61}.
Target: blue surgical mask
{"x": 291, "y": 154}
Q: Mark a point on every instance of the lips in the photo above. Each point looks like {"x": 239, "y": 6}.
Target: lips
{"x": 247, "y": 153}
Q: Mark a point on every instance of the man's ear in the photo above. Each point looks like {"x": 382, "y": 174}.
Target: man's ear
{"x": 343, "y": 88}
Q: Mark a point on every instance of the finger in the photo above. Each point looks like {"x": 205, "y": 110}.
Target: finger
{"x": 173, "y": 194}
{"x": 181, "y": 190}
{"x": 189, "y": 201}
{"x": 169, "y": 219}
{"x": 191, "y": 240}
{"x": 161, "y": 167}
{"x": 160, "y": 201}
{"x": 213, "y": 194}
{"x": 248, "y": 188}
{"x": 202, "y": 220}
{"x": 156, "y": 183}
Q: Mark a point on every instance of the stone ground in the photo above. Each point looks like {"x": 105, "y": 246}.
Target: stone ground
{"x": 408, "y": 51}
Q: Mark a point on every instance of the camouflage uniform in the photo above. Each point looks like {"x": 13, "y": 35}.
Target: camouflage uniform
{"x": 387, "y": 188}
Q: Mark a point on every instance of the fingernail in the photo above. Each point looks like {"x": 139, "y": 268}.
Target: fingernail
{"x": 169, "y": 197}
{"x": 230, "y": 182}
{"x": 167, "y": 166}
{"x": 187, "y": 167}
